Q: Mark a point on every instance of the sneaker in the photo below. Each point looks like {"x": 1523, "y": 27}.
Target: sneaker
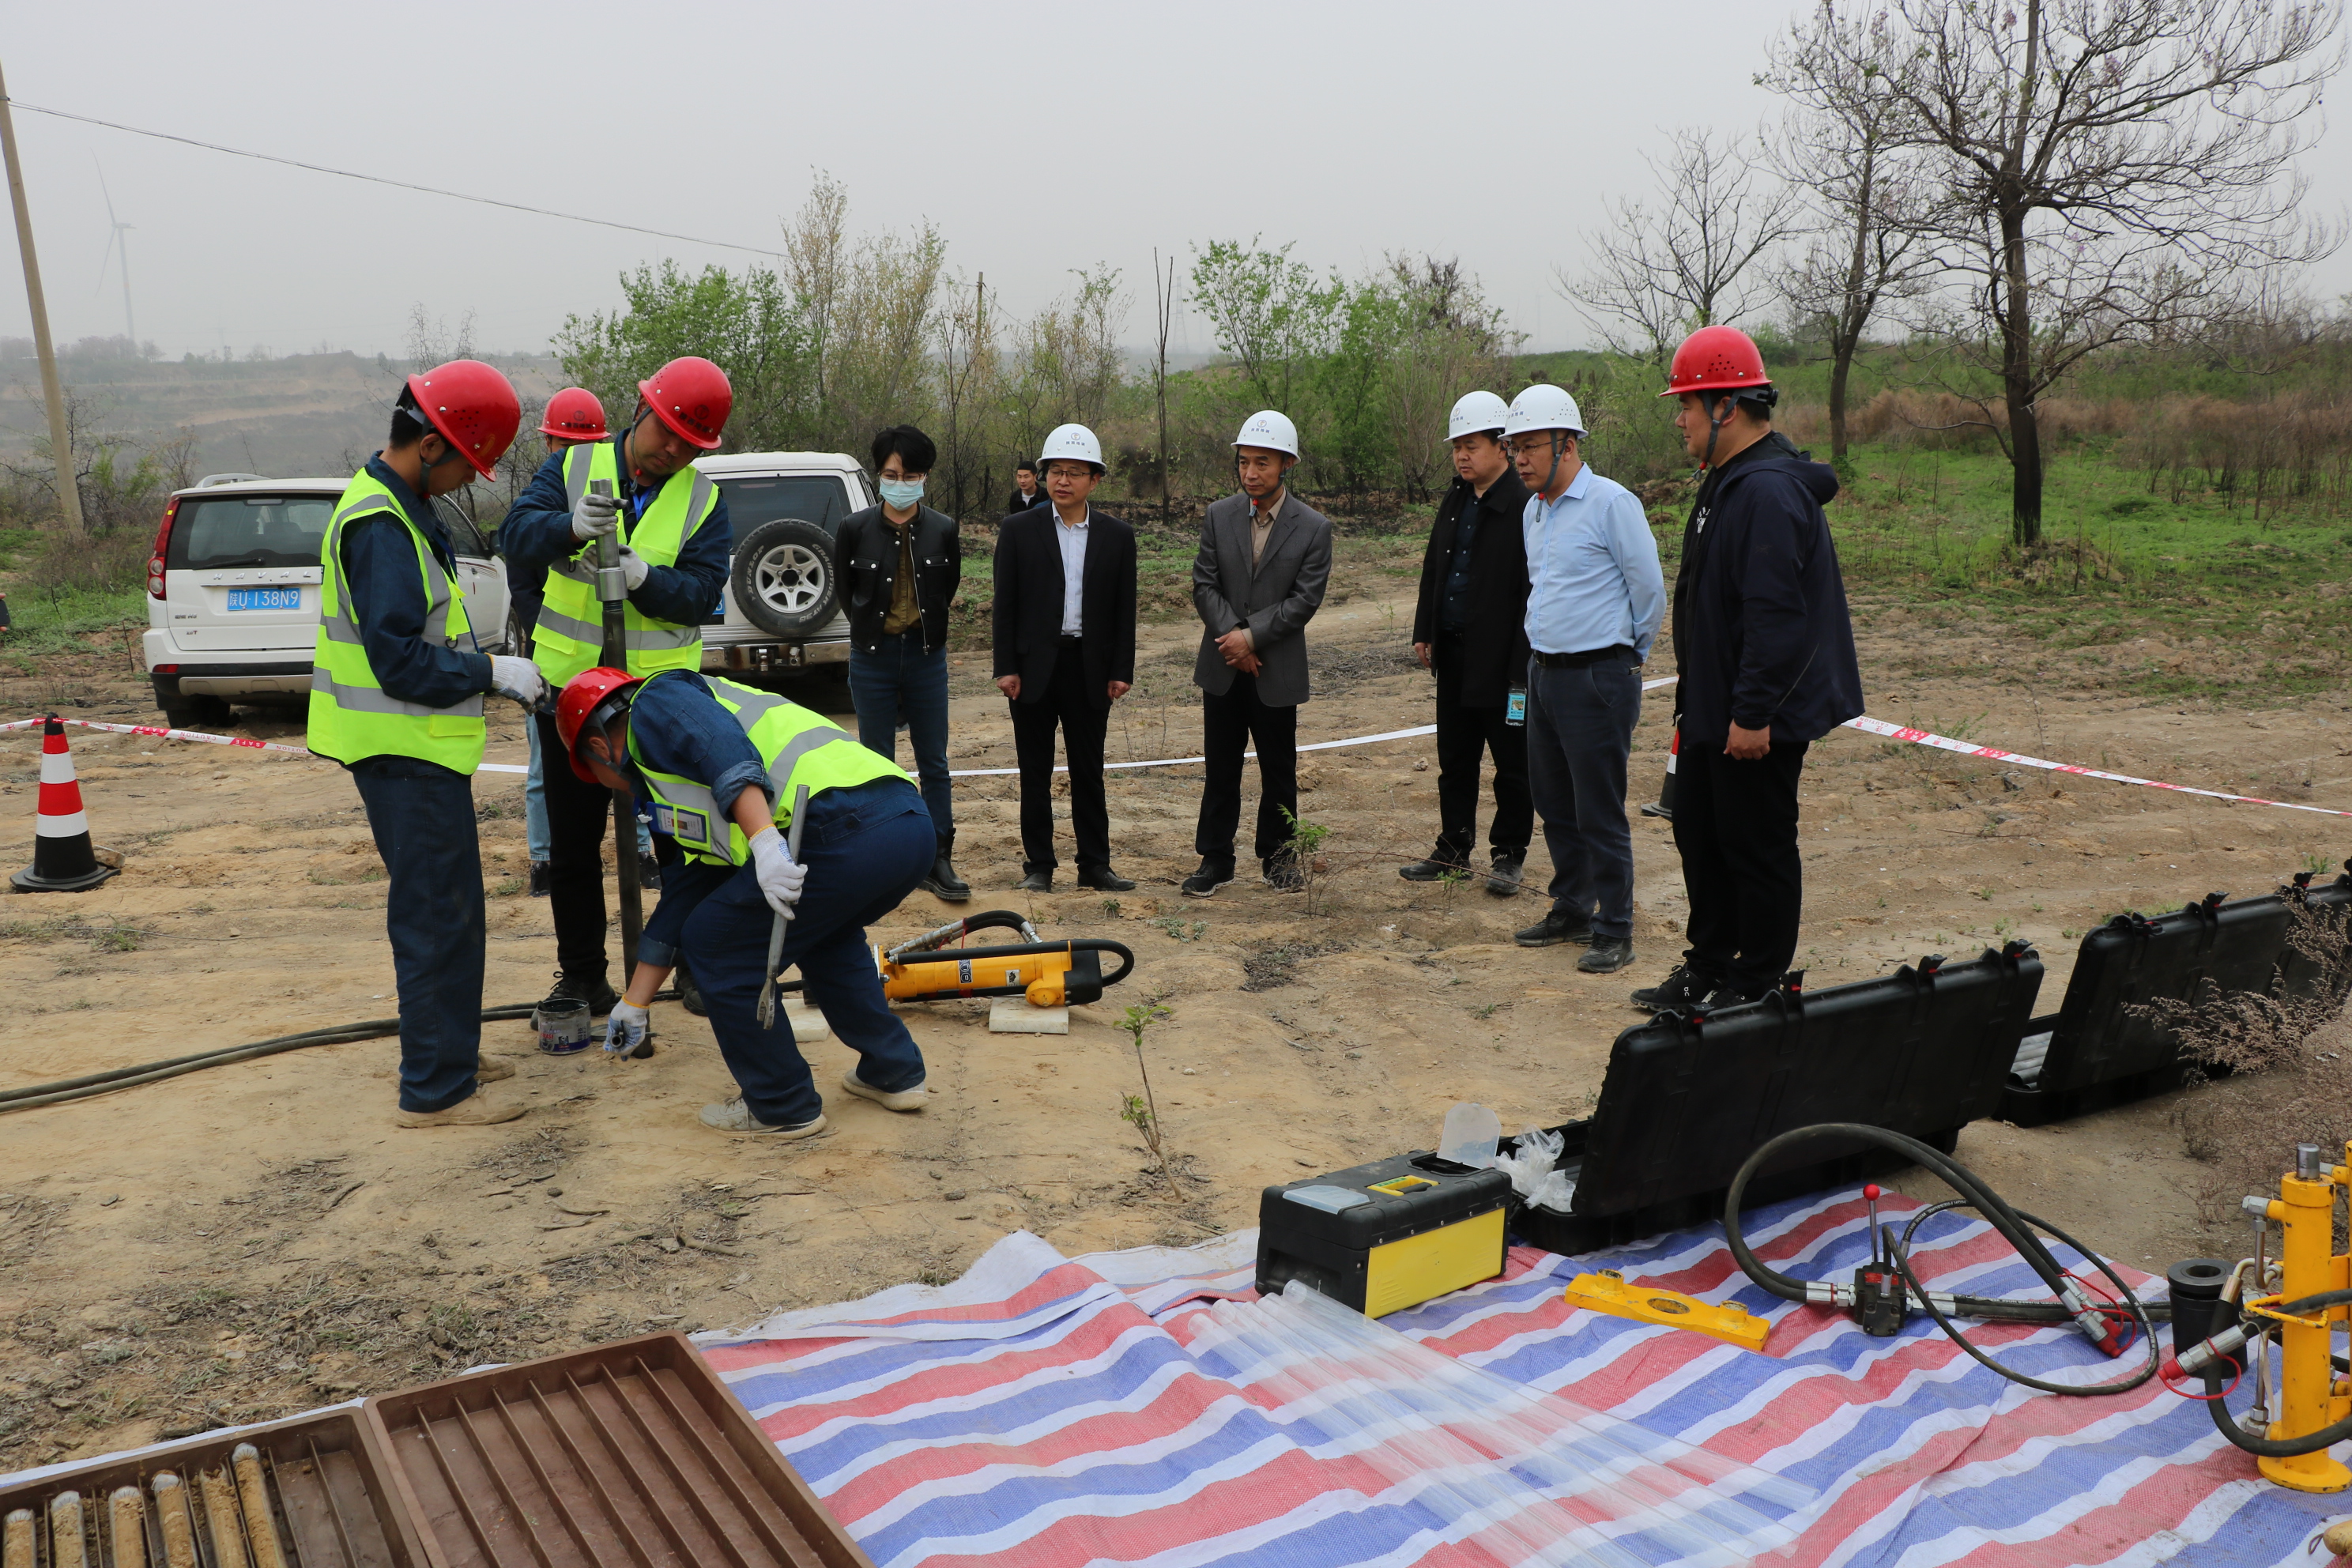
{"x": 1038, "y": 881}
{"x": 734, "y": 1116}
{"x": 541, "y": 879}
{"x": 689, "y": 994}
{"x": 1203, "y": 883}
{"x": 1557, "y": 927}
{"x": 1502, "y": 877}
{"x": 591, "y": 989}
{"x": 1283, "y": 875}
{"x": 649, "y": 873}
{"x": 1103, "y": 879}
{"x": 1682, "y": 990}
{"x": 913, "y": 1099}
{"x": 476, "y": 1109}
{"x": 493, "y": 1069}
{"x": 1731, "y": 994}
{"x": 1433, "y": 870}
{"x": 1607, "y": 955}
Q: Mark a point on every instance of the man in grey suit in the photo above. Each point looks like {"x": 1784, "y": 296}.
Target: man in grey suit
{"x": 1266, "y": 558}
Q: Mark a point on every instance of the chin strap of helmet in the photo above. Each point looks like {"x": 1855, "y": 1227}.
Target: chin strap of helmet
{"x": 1558, "y": 450}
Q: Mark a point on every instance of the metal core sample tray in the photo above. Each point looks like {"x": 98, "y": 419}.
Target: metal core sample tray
{"x": 632, "y": 1453}
{"x": 320, "y": 1486}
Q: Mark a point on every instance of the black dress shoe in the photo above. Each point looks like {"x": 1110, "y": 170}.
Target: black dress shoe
{"x": 1557, "y": 927}
{"x": 1040, "y": 881}
{"x": 1103, "y": 879}
{"x": 1433, "y": 870}
{"x": 1503, "y": 878}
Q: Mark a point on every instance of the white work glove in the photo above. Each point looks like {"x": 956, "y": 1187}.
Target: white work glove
{"x": 595, "y": 517}
{"x": 780, "y": 876}
{"x": 518, "y": 678}
{"x": 634, "y": 568}
{"x": 626, "y": 1030}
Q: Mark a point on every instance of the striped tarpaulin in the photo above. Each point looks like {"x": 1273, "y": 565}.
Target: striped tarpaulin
{"x": 1048, "y": 1412}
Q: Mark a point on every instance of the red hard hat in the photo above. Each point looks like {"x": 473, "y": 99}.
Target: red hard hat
{"x": 473, "y": 406}
{"x": 574, "y": 415}
{"x": 1715, "y": 359}
{"x": 591, "y": 696}
{"x": 692, "y": 397}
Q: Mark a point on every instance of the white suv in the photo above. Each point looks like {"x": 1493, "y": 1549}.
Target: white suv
{"x": 232, "y": 593}
{"x": 781, "y": 610}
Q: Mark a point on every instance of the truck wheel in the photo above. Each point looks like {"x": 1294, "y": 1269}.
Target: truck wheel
{"x": 783, "y": 579}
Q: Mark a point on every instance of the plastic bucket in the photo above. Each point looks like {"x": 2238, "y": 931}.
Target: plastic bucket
{"x": 563, "y": 1027}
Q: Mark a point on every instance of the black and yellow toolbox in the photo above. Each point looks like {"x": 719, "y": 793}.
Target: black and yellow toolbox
{"x": 1384, "y": 1236}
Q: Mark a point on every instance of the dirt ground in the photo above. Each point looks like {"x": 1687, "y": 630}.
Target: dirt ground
{"x": 259, "y": 1238}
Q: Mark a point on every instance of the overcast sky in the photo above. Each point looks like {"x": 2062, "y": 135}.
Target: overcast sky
{"x": 1039, "y": 136}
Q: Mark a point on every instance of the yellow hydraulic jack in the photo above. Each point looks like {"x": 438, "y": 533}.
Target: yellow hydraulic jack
{"x": 2307, "y": 1311}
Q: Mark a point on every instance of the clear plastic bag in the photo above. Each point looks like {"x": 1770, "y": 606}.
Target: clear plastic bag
{"x": 1531, "y": 1173}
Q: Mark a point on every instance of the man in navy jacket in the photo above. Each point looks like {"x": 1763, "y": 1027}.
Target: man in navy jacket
{"x": 1766, "y": 652}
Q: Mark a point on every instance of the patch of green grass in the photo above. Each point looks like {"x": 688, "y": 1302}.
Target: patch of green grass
{"x": 46, "y": 622}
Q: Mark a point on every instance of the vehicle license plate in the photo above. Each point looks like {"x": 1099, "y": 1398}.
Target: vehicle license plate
{"x": 265, "y": 598}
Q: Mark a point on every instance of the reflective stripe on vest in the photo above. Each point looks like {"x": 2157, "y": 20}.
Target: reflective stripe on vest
{"x": 570, "y": 636}
{"x": 798, "y": 747}
{"x": 351, "y": 716}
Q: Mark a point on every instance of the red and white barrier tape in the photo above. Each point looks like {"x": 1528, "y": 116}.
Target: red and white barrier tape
{"x": 159, "y": 733}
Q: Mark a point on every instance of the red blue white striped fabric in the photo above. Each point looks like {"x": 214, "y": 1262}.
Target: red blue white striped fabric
{"x": 1047, "y": 1412}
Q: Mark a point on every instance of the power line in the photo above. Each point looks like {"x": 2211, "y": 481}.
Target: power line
{"x": 380, "y": 180}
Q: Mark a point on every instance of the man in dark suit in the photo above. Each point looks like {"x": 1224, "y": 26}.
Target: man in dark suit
{"x": 1027, "y": 491}
{"x": 1265, "y": 557}
{"x": 1064, "y": 637}
{"x": 1470, "y": 627}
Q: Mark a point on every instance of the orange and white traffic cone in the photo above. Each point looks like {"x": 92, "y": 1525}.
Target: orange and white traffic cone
{"x": 62, "y": 859}
{"x": 1666, "y": 803}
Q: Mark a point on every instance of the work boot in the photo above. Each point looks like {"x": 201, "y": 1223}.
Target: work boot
{"x": 1607, "y": 955}
{"x": 541, "y": 878}
{"x": 493, "y": 1069}
{"x": 649, "y": 873}
{"x": 476, "y": 1109}
{"x": 1282, "y": 873}
{"x": 734, "y": 1116}
{"x": 1502, "y": 877}
{"x": 1037, "y": 878}
{"x": 589, "y": 988}
{"x": 689, "y": 994}
{"x": 943, "y": 882}
{"x": 913, "y": 1099}
{"x": 1682, "y": 990}
{"x": 1557, "y": 927}
{"x": 1436, "y": 868}
{"x": 1103, "y": 879}
{"x": 1214, "y": 873}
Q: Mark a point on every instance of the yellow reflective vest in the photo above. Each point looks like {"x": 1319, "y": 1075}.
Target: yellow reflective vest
{"x": 571, "y": 633}
{"x": 352, "y": 715}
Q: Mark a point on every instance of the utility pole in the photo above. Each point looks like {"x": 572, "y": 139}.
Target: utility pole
{"x": 60, "y": 446}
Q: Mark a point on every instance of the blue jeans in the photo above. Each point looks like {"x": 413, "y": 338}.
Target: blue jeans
{"x": 1579, "y": 729}
{"x": 423, "y": 818}
{"x": 900, "y": 680}
{"x": 865, "y": 849}
{"x": 534, "y": 806}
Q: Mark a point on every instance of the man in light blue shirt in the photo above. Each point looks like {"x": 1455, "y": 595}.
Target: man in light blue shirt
{"x": 1595, "y": 598}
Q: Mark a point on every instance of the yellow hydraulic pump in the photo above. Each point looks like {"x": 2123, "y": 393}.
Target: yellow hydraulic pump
{"x": 1048, "y": 974}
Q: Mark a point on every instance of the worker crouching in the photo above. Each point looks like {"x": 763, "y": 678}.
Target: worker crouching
{"x": 720, "y": 763}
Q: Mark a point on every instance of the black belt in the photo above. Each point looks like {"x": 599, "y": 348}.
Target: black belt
{"x": 1069, "y": 640}
{"x": 1620, "y": 653}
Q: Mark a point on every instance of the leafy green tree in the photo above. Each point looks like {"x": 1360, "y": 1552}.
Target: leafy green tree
{"x": 1269, "y": 312}
{"x": 747, "y": 323}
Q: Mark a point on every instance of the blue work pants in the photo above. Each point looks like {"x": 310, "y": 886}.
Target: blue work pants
{"x": 865, "y": 849}
{"x": 1580, "y": 730}
{"x": 422, "y": 815}
{"x": 900, "y": 680}
{"x": 534, "y": 799}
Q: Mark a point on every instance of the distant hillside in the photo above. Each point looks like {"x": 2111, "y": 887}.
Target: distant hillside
{"x": 305, "y": 414}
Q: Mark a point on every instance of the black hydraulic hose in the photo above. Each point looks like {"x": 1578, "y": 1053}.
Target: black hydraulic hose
{"x": 2016, "y": 1228}
{"x": 2279, "y": 1447}
{"x": 33, "y": 1096}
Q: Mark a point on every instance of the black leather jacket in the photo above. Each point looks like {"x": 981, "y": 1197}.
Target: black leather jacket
{"x": 866, "y": 550}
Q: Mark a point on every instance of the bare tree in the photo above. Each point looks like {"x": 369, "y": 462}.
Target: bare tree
{"x": 815, "y": 261}
{"x": 2115, "y": 170}
{"x": 1691, "y": 261}
{"x": 1850, "y": 145}
{"x": 967, "y": 371}
{"x": 1163, "y": 302}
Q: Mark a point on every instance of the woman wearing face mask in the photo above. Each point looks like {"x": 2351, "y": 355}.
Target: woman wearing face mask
{"x": 902, "y": 563}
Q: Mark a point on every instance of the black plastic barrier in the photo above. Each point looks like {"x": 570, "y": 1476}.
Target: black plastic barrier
{"x": 2101, "y": 1048}
{"x": 2300, "y": 973}
{"x": 1922, "y": 1051}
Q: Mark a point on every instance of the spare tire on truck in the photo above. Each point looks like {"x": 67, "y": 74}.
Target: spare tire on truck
{"x": 784, "y": 580}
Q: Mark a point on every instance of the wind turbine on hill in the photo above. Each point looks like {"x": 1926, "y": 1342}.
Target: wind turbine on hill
{"x": 114, "y": 242}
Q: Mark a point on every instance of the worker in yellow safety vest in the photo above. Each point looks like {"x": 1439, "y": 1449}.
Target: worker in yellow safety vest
{"x": 721, "y": 764}
{"x": 396, "y": 693}
{"x": 676, "y": 551}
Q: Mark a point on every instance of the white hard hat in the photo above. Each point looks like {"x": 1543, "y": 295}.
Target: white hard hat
{"x": 1543, "y": 408}
{"x": 1475, "y": 413}
{"x": 1271, "y": 430}
{"x": 1071, "y": 443}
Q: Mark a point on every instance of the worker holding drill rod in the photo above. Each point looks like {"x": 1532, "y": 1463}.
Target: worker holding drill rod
{"x": 396, "y": 697}
{"x": 676, "y": 549}
{"x": 721, "y": 762}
